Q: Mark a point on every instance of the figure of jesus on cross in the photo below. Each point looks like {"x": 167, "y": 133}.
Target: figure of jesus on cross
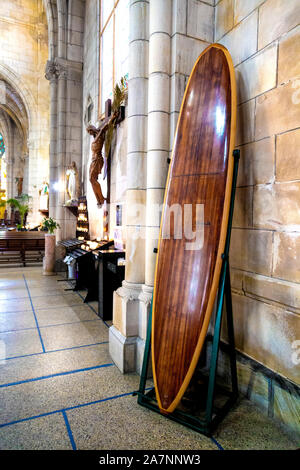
{"x": 97, "y": 157}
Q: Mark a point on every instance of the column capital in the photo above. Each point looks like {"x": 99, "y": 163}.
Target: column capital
{"x": 51, "y": 71}
{"x": 129, "y": 290}
{"x": 63, "y": 69}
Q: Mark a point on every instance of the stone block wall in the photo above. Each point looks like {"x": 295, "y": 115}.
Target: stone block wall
{"x": 263, "y": 38}
{"x": 192, "y": 32}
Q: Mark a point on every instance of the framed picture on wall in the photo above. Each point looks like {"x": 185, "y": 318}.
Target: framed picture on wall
{"x": 118, "y": 215}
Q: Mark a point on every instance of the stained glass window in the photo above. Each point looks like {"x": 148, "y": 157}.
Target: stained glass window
{"x": 114, "y": 37}
{"x": 2, "y": 146}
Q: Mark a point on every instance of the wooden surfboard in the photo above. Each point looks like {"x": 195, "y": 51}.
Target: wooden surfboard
{"x": 200, "y": 172}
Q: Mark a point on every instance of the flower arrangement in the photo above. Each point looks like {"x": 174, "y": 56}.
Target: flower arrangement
{"x": 49, "y": 224}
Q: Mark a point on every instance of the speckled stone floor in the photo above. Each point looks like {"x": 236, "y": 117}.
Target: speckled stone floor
{"x": 60, "y": 390}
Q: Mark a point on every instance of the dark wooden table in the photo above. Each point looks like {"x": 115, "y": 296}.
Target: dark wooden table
{"x": 22, "y": 242}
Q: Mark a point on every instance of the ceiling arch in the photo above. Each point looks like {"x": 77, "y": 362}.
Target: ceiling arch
{"x": 13, "y": 105}
{"x": 52, "y": 20}
{"x": 19, "y": 94}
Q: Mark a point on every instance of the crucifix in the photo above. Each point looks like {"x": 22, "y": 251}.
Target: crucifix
{"x": 99, "y": 161}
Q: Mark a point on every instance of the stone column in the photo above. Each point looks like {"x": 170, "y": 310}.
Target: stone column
{"x": 26, "y": 173}
{"x": 33, "y": 173}
{"x": 73, "y": 123}
{"x": 49, "y": 258}
{"x": 65, "y": 142}
{"x": 158, "y": 145}
{"x": 11, "y": 188}
{"x": 9, "y": 182}
{"x": 123, "y": 335}
{"x": 51, "y": 75}
{"x": 61, "y": 147}
{"x": 158, "y": 122}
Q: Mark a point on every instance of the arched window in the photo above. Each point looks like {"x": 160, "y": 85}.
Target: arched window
{"x": 114, "y": 44}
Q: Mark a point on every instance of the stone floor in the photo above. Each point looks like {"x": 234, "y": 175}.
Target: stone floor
{"x": 60, "y": 390}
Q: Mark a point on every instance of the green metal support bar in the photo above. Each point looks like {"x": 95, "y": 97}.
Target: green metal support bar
{"x": 212, "y": 415}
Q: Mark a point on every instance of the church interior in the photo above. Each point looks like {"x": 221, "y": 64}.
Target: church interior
{"x": 97, "y": 107}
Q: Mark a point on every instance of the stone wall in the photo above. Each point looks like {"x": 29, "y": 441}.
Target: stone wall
{"x": 23, "y": 54}
{"x": 264, "y": 41}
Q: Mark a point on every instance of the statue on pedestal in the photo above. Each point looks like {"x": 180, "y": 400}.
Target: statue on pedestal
{"x": 44, "y": 196}
{"x": 19, "y": 182}
{"x": 72, "y": 184}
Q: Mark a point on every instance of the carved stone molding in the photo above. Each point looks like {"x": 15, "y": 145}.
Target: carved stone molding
{"x": 129, "y": 291}
{"x": 146, "y": 295}
{"x": 51, "y": 71}
{"x": 63, "y": 69}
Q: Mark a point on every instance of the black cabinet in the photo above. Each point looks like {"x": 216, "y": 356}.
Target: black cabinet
{"x": 85, "y": 273}
{"x": 86, "y": 266}
{"x": 110, "y": 277}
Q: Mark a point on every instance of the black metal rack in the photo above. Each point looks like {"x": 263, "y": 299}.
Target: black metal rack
{"x": 82, "y": 228}
{"x": 199, "y": 418}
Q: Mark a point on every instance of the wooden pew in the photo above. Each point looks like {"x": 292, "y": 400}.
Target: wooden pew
{"x": 22, "y": 246}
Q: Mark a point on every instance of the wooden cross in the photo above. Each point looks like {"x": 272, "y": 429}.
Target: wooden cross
{"x": 107, "y": 200}
{"x": 120, "y": 118}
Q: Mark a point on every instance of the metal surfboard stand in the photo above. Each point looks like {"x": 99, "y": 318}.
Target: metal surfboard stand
{"x": 212, "y": 415}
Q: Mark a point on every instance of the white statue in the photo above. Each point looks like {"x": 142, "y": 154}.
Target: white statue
{"x": 72, "y": 183}
{"x": 44, "y": 196}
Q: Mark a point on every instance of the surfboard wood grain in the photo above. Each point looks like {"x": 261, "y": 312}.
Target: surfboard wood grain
{"x": 200, "y": 172}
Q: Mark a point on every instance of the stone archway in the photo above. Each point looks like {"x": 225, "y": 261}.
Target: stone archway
{"x": 16, "y": 82}
{"x": 26, "y": 98}
{"x": 52, "y": 20}
{"x": 14, "y": 126}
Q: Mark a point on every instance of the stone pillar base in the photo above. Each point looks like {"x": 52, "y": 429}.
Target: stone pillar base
{"x": 49, "y": 258}
{"x": 128, "y": 334}
{"x": 123, "y": 335}
{"x": 122, "y": 350}
{"x": 126, "y": 309}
